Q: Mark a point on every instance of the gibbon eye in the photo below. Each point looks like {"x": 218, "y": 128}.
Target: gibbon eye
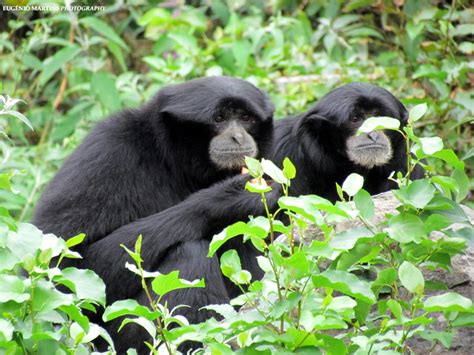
{"x": 247, "y": 118}
{"x": 219, "y": 119}
{"x": 355, "y": 118}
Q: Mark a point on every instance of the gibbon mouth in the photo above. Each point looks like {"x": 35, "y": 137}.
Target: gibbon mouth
{"x": 234, "y": 151}
{"x": 371, "y": 146}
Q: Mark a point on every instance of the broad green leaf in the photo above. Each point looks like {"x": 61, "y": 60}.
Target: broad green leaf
{"x": 331, "y": 345}
{"x": 431, "y": 145}
{"x": 353, "y": 184}
{"x": 78, "y": 239}
{"x": 302, "y": 207}
{"x": 6, "y": 330}
{"x": 52, "y": 64}
{"x": 462, "y": 184}
{"x": 406, "y": 228}
{"x": 395, "y": 308}
{"x": 417, "y": 194}
{"x": 289, "y": 170}
{"x": 417, "y": 112}
{"x": 384, "y": 278}
{"x": 232, "y": 268}
{"x": 104, "y": 29}
{"x": 411, "y": 278}
{"x": 449, "y": 301}
{"x": 12, "y": 289}
{"x": 347, "y": 239}
{"x": 166, "y": 283}
{"x": 5, "y": 182}
{"x": 228, "y": 233}
{"x": 378, "y": 123}
{"x": 46, "y": 298}
{"x": 464, "y": 320}
{"x": 241, "y": 49}
{"x": 103, "y": 86}
{"x": 7, "y": 259}
{"x": 364, "y": 204}
{"x": 146, "y": 324}
{"x": 449, "y": 157}
{"x": 26, "y": 241}
{"x": 74, "y": 312}
{"x": 86, "y": 284}
{"x": 128, "y": 308}
{"x": 274, "y": 172}
{"x": 256, "y": 187}
{"x": 254, "y": 167}
{"x": 297, "y": 265}
{"x": 346, "y": 283}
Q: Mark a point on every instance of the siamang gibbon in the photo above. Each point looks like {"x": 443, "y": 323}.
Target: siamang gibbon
{"x": 323, "y": 145}
{"x": 132, "y": 173}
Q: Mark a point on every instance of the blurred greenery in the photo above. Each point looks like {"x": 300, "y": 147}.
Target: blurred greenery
{"x": 73, "y": 68}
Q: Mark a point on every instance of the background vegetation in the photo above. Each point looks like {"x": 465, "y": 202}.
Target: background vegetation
{"x": 72, "y": 69}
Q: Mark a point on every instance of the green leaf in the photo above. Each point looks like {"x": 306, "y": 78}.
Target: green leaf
{"x": 103, "y": 86}
{"x": 346, "y": 283}
{"x": 117, "y": 53}
{"x": 256, "y": 187}
{"x": 347, "y": 239}
{"x": 6, "y": 330}
{"x": 364, "y": 204}
{"x": 431, "y": 145}
{"x": 228, "y": 233}
{"x": 26, "y": 241}
{"x": 74, "y": 313}
{"x": 86, "y": 284}
{"x": 395, "y": 308}
{"x": 104, "y": 29}
{"x": 274, "y": 172}
{"x": 289, "y": 170}
{"x": 411, "y": 278}
{"x": 449, "y": 157}
{"x": 417, "y": 194}
{"x": 384, "y": 278}
{"x": 12, "y": 289}
{"x": 417, "y": 112}
{"x": 52, "y": 64}
{"x": 5, "y": 182}
{"x": 146, "y": 324}
{"x": 406, "y": 228}
{"x": 464, "y": 320}
{"x": 445, "y": 338}
{"x": 254, "y": 167}
{"x": 462, "y": 184}
{"x": 166, "y": 283}
{"x": 20, "y": 116}
{"x": 78, "y": 239}
{"x": 46, "y": 298}
{"x": 449, "y": 301}
{"x": 232, "y": 268}
{"x": 128, "y": 308}
{"x": 378, "y": 123}
{"x": 353, "y": 184}
{"x": 241, "y": 50}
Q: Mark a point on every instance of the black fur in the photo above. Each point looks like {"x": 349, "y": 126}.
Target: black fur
{"x": 141, "y": 162}
{"x": 316, "y": 141}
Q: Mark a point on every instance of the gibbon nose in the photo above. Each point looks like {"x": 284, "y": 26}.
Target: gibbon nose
{"x": 373, "y": 136}
{"x": 238, "y": 138}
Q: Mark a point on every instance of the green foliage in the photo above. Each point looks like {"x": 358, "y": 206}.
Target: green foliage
{"x": 314, "y": 295}
{"x": 73, "y": 68}
{"x": 35, "y": 315}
